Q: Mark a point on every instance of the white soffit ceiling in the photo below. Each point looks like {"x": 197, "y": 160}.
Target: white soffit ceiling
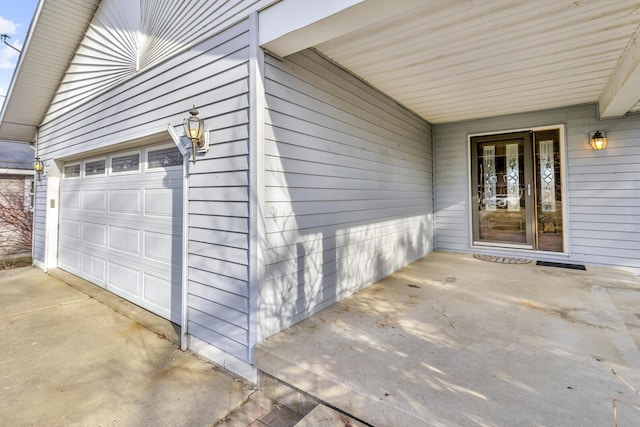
{"x": 460, "y": 60}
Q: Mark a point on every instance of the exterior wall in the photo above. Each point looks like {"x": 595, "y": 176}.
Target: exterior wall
{"x": 39, "y": 220}
{"x": 602, "y": 187}
{"x": 348, "y": 188}
{"x": 213, "y": 75}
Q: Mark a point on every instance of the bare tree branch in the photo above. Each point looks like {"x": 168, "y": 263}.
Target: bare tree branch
{"x": 16, "y": 223}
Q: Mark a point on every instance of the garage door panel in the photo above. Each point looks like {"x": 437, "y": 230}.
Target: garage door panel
{"x": 124, "y": 201}
{"x": 94, "y": 200}
{"x": 161, "y": 247}
{"x": 71, "y": 200}
{"x": 123, "y": 231}
{"x": 94, "y": 267}
{"x": 124, "y": 279}
{"x": 161, "y": 202}
{"x": 70, "y": 259}
{"x": 95, "y": 234}
{"x": 158, "y": 291}
{"x": 124, "y": 239}
{"x": 70, "y": 229}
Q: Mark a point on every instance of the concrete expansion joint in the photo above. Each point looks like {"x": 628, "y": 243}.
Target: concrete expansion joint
{"x": 48, "y": 307}
{"x": 232, "y": 411}
{"x": 258, "y": 410}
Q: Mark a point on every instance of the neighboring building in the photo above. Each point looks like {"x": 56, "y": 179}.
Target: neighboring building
{"x": 347, "y": 139}
{"x": 16, "y": 197}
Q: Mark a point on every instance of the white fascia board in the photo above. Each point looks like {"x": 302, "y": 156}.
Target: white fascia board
{"x": 622, "y": 91}
{"x": 294, "y": 25}
{"x": 23, "y": 52}
{"x": 9, "y": 171}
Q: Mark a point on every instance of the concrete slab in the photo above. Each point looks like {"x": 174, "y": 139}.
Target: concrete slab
{"x": 323, "y": 416}
{"x": 455, "y": 341}
{"x": 261, "y": 411}
{"x": 68, "y": 360}
{"x": 136, "y": 313}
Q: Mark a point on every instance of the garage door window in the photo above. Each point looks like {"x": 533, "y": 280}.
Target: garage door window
{"x": 125, "y": 164}
{"x": 94, "y": 168}
{"x": 72, "y": 171}
{"x": 164, "y": 158}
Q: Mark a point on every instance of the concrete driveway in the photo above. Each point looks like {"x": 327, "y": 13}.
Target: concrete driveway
{"x": 451, "y": 340}
{"x": 69, "y": 360}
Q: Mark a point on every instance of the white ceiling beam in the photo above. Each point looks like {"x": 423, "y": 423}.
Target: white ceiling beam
{"x": 294, "y": 25}
{"x": 622, "y": 91}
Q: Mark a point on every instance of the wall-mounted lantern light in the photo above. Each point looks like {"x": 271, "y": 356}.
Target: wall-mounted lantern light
{"x": 598, "y": 141}
{"x": 38, "y": 166}
{"x": 194, "y": 130}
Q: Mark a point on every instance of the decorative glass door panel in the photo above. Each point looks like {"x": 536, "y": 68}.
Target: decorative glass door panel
{"x": 549, "y": 235}
{"x": 517, "y": 191}
{"x": 502, "y": 182}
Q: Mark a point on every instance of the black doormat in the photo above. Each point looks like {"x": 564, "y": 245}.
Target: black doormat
{"x": 561, "y": 265}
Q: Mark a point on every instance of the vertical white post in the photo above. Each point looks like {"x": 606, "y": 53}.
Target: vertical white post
{"x": 256, "y": 180}
{"x": 54, "y": 175}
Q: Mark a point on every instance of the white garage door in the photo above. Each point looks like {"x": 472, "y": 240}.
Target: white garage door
{"x": 121, "y": 225}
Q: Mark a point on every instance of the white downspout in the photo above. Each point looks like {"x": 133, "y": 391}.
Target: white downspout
{"x": 185, "y": 253}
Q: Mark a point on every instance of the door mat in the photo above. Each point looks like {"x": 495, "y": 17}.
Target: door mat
{"x": 502, "y": 259}
{"x": 562, "y": 265}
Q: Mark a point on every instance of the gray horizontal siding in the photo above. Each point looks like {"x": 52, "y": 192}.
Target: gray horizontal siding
{"x": 211, "y": 76}
{"x": 218, "y": 247}
{"x": 451, "y": 204}
{"x": 348, "y": 188}
{"x": 215, "y": 77}
{"x": 603, "y": 187}
{"x": 112, "y": 50}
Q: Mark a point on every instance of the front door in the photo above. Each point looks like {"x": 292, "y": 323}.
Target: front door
{"x": 502, "y": 180}
{"x": 516, "y": 191}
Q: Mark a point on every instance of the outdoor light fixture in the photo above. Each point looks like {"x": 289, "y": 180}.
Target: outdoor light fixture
{"x": 194, "y": 129}
{"x": 38, "y": 166}
{"x": 598, "y": 141}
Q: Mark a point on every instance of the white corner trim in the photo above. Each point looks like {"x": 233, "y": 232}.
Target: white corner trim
{"x": 177, "y": 140}
{"x": 225, "y": 360}
{"x": 256, "y": 182}
{"x": 39, "y": 264}
{"x": 52, "y": 213}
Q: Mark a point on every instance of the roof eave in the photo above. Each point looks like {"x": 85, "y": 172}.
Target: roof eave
{"x": 19, "y": 120}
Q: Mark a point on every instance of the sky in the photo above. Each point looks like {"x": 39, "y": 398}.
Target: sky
{"x": 15, "y": 17}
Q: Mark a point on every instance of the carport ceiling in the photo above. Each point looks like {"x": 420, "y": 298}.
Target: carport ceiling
{"x": 459, "y": 60}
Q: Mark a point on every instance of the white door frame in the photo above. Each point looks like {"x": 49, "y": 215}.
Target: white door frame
{"x": 565, "y": 202}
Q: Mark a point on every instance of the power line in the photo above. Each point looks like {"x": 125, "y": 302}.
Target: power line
{"x": 4, "y": 38}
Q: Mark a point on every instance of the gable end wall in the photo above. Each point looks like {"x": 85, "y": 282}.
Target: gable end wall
{"x": 214, "y": 76}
